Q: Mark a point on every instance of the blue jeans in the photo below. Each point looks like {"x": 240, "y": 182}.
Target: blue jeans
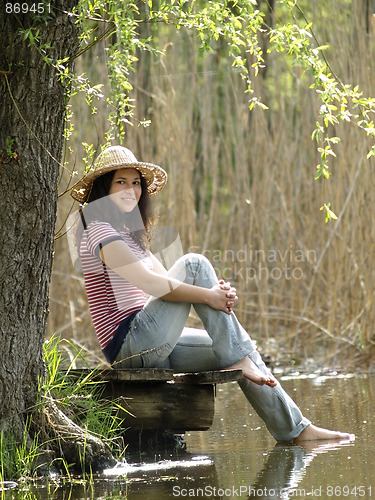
{"x": 158, "y": 338}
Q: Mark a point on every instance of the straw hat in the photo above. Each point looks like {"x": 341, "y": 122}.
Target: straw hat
{"x": 114, "y": 158}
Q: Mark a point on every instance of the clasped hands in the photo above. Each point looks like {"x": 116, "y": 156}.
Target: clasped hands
{"x": 231, "y": 295}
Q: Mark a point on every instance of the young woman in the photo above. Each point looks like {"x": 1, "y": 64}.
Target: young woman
{"x": 135, "y": 331}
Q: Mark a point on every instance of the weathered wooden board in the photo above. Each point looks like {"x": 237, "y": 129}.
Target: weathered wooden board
{"x": 212, "y": 377}
{"x": 152, "y": 375}
{"x": 143, "y": 375}
{"x": 170, "y": 406}
{"x": 161, "y": 399}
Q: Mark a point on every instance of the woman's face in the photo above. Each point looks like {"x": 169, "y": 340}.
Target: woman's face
{"x": 126, "y": 190}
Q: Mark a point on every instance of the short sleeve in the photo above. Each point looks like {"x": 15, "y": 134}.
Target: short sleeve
{"x": 99, "y": 234}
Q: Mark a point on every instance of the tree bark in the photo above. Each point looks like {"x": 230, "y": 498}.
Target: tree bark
{"x": 32, "y": 113}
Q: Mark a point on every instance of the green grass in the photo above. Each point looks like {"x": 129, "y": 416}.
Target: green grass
{"x": 80, "y": 398}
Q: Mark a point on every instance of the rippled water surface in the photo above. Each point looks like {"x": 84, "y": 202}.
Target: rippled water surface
{"x": 238, "y": 458}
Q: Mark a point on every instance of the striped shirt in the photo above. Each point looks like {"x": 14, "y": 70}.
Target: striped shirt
{"x": 111, "y": 298}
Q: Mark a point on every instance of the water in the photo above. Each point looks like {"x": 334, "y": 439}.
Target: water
{"x": 238, "y": 458}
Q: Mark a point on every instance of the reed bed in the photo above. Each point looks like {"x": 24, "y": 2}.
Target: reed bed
{"x": 241, "y": 190}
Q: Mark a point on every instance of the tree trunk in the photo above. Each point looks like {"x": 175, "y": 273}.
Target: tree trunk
{"x": 31, "y": 142}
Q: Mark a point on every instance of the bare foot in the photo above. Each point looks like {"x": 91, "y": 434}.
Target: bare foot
{"x": 252, "y": 372}
{"x": 313, "y": 433}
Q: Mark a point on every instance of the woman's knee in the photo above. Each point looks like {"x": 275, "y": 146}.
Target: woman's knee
{"x": 197, "y": 258}
{"x": 192, "y": 265}
{"x": 190, "y": 260}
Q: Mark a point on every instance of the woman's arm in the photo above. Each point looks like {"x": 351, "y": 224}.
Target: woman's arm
{"x": 157, "y": 265}
{"x": 157, "y": 282}
{"x": 231, "y": 291}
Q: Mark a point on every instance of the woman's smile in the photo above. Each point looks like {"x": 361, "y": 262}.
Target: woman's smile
{"x": 126, "y": 190}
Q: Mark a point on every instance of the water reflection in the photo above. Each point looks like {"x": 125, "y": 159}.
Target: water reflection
{"x": 245, "y": 455}
{"x": 239, "y": 459}
{"x": 124, "y": 468}
{"x": 285, "y": 467}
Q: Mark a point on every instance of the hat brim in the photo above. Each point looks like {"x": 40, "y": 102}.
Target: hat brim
{"x": 155, "y": 177}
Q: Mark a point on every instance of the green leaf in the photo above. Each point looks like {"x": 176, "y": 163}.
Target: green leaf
{"x": 322, "y": 47}
{"x": 329, "y": 215}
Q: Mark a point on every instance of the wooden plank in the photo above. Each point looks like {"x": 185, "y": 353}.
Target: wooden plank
{"x": 176, "y": 407}
{"x": 211, "y": 377}
{"x": 143, "y": 375}
{"x": 158, "y": 399}
{"x": 152, "y": 375}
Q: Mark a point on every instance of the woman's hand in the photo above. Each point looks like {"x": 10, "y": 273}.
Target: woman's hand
{"x": 231, "y": 294}
{"x": 223, "y": 297}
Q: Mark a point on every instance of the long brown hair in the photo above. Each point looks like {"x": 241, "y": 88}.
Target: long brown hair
{"x": 106, "y": 211}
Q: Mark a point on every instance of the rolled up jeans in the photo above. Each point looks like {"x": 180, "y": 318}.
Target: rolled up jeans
{"x": 158, "y": 338}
